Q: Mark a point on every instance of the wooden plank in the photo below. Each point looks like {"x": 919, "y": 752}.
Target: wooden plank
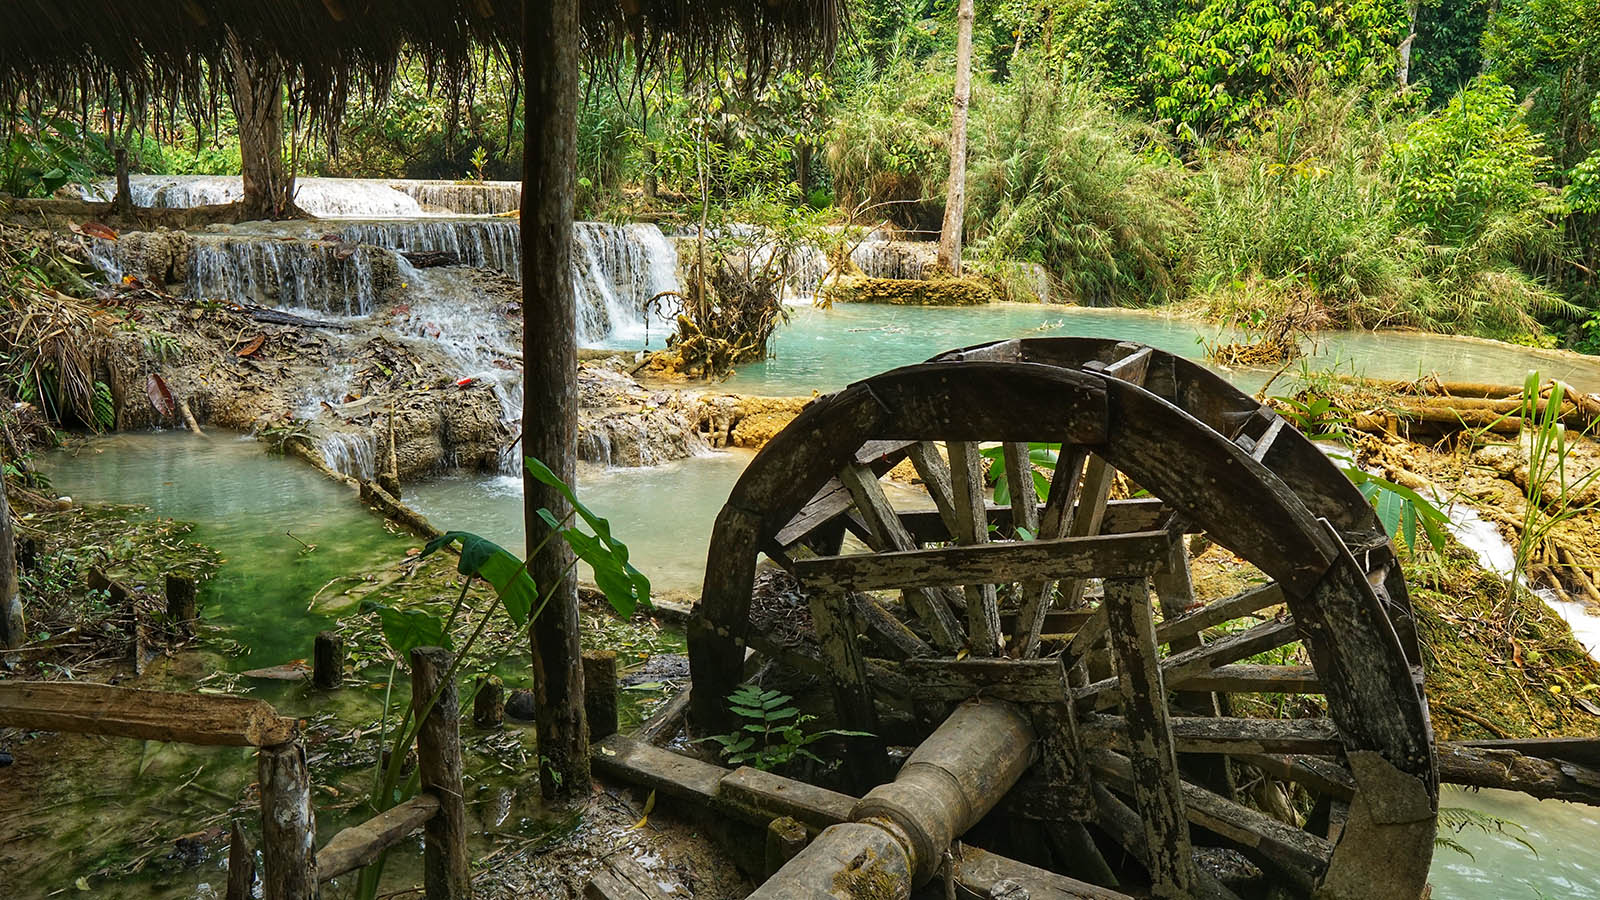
{"x": 1218, "y": 612}
{"x": 1251, "y": 678}
{"x": 830, "y": 501}
{"x": 1019, "y": 482}
{"x": 662, "y": 771}
{"x": 775, "y": 796}
{"x": 1020, "y": 681}
{"x": 1123, "y": 555}
{"x": 936, "y": 477}
{"x": 360, "y": 845}
{"x": 1320, "y": 776}
{"x": 1057, "y": 622}
{"x": 988, "y": 401}
{"x": 836, "y": 630}
{"x": 1121, "y": 517}
{"x": 1154, "y": 763}
{"x": 1581, "y": 750}
{"x": 621, "y": 877}
{"x": 896, "y": 639}
{"x": 1192, "y": 663}
{"x": 1220, "y": 734}
{"x": 978, "y": 873}
{"x": 932, "y": 607}
{"x": 204, "y": 719}
{"x": 1294, "y": 855}
{"x": 972, "y": 530}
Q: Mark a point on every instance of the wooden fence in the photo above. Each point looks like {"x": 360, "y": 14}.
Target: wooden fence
{"x": 292, "y": 867}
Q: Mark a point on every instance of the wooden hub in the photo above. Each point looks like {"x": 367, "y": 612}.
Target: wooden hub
{"x": 1080, "y": 608}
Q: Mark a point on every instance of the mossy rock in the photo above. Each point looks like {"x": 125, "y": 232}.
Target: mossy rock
{"x": 904, "y": 292}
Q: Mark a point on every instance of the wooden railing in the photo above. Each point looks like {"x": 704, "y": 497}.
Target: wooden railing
{"x": 292, "y": 869}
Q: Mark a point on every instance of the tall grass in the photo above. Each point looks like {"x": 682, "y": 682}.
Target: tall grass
{"x": 1093, "y": 196}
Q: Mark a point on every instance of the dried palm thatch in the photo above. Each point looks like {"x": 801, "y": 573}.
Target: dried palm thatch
{"x": 170, "y": 54}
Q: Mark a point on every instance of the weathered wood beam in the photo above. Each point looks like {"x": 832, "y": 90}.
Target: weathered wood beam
{"x": 1121, "y": 555}
{"x": 972, "y": 530}
{"x": 936, "y": 477}
{"x": 1206, "y": 734}
{"x": 1156, "y": 788}
{"x": 1174, "y": 669}
{"x": 1509, "y": 770}
{"x": 360, "y": 845}
{"x": 1252, "y": 678}
{"x": 1322, "y": 776}
{"x": 1019, "y": 681}
{"x": 1581, "y": 750}
{"x": 288, "y": 824}
{"x": 204, "y": 719}
{"x": 446, "y": 865}
{"x": 1039, "y": 594}
{"x": 1217, "y": 613}
{"x": 836, "y": 628}
{"x": 878, "y": 514}
{"x": 775, "y": 795}
{"x": 1121, "y": 517}
{"x": 978, "y": 873}
{"x": 1295, "y": 855}
{"x": 895, "y": 637}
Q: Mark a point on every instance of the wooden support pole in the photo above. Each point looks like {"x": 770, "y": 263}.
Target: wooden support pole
{"x": 834, "y": 623}
{"x": 786, "y": 837}
{"x": 182, "y": 600}
{"x": 600, "y": 693}
{"x": 1157, "y": 787}
{"x": 327, "y": 660}
{"x": 489, "y": 702}
{"x": 13, "y": 631}
{"x": 288, "y": 824}
{"x": 241, "y": 864}
{"x": 983, "y": 609}
{"x": 446, "y": 869}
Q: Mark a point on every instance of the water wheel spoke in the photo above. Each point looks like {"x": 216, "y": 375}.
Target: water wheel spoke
{"x": 972, "y": 528}
{"x": 1154, "y": 761}
{"x": 935, "y": 475}
{"x": 1295, "y": 856}
{"x": 1192, "y": 663}
{"x": 1218, "y": 612}
{"x": 895, "y": 638}
{"x": 1226, "y": 735}
{"x": 1320, "y": 776}
{"x": 1252, "y": 678}
{"x": 1051, "y": 524}
{"x": 932, "y": 606}
{"x": 1086, "y": 519}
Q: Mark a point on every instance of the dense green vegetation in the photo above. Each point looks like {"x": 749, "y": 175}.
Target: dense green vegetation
{"x": 1360, "y": 163}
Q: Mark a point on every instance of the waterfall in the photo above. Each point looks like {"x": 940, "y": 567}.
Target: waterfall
{"x": 489, "y": 198}
{"x": 316, "y": 276}
{"x": 484, "y": 243}
{"x": 618, "y": 268}
{"x": 326, "y": 197}
{"x": 355, "y": 455}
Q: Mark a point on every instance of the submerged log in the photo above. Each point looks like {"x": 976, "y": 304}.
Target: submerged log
{"x": 203, "y": 719}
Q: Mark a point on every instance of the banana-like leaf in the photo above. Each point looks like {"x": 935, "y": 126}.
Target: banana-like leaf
{"x": 483, "y": 558}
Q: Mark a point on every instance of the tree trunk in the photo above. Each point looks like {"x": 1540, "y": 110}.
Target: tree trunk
{"x": 955, "y": 204}
{"x": 550, "y": 404}
{"x": 257, "y": 95}
{"x": 12, "y": 632}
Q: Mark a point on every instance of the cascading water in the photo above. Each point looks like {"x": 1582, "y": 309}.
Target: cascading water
{"x": 488, "y": 198}
{"x": 350, "y": 454}
{"x": 290, "y": 274}
{"x": 327, "y": 197}
{"x": 484, "y": 243}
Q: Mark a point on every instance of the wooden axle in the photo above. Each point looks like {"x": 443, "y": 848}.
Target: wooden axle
{"x": 900, "y": 830}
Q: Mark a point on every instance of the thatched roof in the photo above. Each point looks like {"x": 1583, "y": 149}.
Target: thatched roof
{"x": 148, "y": 51}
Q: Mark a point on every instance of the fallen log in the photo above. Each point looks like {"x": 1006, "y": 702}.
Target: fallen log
{"x": 1505, "y": 769}
{"x": 203, "y": 719}
{"x": 360, "y": 845}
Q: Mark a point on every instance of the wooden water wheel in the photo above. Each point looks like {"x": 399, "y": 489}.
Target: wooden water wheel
{"x": 1080, "y": 609}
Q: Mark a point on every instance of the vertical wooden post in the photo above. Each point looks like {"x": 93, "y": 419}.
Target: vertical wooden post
{"x": 786, "y": 837}
{"x": 241, "y": 865}
{"x": 489, "y": 702}
{"x": 446, "y": 872}
{"x": 13, "y": 632}
{"x": 972, "y": 518}
{"x": 550, "y": 397}
{"x": 288, "y": 824}
{"x": 600, "y": 693}
{"x": 1156, "y": 787}
{"x": 1175, "y": 589}
{"x": 327, "y": 660}
{"x": 182, "y": 599}
{"x": 834, "y": 623}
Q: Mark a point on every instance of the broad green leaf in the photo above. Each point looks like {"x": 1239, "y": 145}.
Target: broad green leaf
{"x": 407, "y": 629}
{"x": 483, "y": 558}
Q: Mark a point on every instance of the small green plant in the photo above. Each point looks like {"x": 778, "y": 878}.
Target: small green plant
{"x": 1315, "y": 416}
{"x": 773, "y": 735}
{"x": 1401, "y": 510}
{"x": 1040, "y": 456}
{"x": 480, "y": 159}
{"x": 1455, "y": 819}
{"x": 1549, "y": 493}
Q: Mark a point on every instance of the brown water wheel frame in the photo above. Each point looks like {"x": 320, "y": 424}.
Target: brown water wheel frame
{"x": 1133, "y": 754}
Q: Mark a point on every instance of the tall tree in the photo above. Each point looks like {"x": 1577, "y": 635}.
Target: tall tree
{"x": 550, "y": 365}
{"x": 955, "y": 204}
{"x": 257, "y": 95}
{"x": 11, "y": 625}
